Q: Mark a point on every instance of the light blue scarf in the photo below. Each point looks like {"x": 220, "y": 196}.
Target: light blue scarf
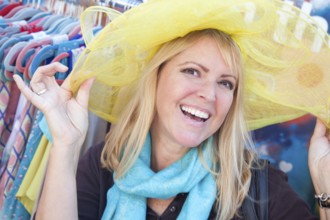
{"x": 127, "y": 199}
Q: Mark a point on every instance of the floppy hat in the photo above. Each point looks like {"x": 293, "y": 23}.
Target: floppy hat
{"x": 286, "y": 54}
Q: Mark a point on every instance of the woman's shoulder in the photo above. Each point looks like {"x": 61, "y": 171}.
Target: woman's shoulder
{"x": 93, "y": 182}
{"x": 94, "y": 152}
{"x": 276, "y": 175}
{"x": 90, "y": 164}
{"x": 281, "y": 201}
{"x": 284, "y": 202}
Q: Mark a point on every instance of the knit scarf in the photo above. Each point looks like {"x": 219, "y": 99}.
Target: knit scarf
{"x": 127, "y": 198}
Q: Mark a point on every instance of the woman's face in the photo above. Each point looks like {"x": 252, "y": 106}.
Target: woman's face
{"x": 194, "y": 94}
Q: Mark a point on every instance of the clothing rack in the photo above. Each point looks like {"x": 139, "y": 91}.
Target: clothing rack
{"x": 33, "y": 33}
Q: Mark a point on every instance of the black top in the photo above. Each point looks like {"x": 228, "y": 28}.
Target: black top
{"x": 93, "y": 182}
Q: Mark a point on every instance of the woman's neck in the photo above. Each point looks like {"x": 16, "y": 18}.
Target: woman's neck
{"x": 164, "y": 153}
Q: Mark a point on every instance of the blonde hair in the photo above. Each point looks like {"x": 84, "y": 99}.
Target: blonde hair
{"x": 125, "y": 140}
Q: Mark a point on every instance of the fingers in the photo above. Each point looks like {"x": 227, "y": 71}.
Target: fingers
{"x": 83, "y": 92}
{"x": 319, "y": 130}
{"x": 27, "y": 92}
{"x": 45, "y": 75}
{"x": 43, "y": 82}
{"x": 51, "y": 69}
{"x": 66, "y": 83}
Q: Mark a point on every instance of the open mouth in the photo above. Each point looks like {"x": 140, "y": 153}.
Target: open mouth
{"x": 195, "y": 114}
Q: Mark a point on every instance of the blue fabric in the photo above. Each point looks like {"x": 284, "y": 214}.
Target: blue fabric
{"x": 127, "y": 199}
{"x": 45, "y": 129}
{"x": 13, "y": 209}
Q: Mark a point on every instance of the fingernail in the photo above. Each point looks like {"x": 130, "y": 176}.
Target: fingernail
{"x": 15, "y": 76}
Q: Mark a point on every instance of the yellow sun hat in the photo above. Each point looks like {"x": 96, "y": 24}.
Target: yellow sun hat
{"x": 286, "y": 54}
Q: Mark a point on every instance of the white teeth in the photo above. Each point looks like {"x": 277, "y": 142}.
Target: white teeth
{"x": 195, "y": 112}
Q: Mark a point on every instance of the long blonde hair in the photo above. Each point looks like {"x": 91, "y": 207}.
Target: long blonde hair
{"x": 125, "y": 140}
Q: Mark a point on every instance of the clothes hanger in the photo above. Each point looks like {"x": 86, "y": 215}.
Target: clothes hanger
{"x": 19, "y": 34}
{"x": 32, "y": 27}
{"x": 23, "y": 14}
{"x": 49, "y": 40}
{"x": 6, "y": 74}
{"x": 29, "y": 27}
{"x": 4, "y": 4}
{"x": 44, "y": 56}
{"x": 62, "y": 23}
{"x": 26, "y": 76}
{"x": 71, "y": 26}
{"x": 51, "y": 51}
{"x": 53, "y": 20}
{"x": 47, "y": 52}
{"x": 10, "y": 40}
{"x": 53, "y": 26}
{"x": 62, "y": 47}
{"x": 11, "y": 30}
{"x": 16, "y": 28}
{"x": 49, "y": 20}
{"x": 9, "y": 43}
{"x": 62, "y": 58}
{"x": 74, "y": 32}
{"x": 41, "y": 14}
{"x": 26, "y": 35}
{"x": 14, "y": 11}
{"x": 58, "y": 48}
{"x": 10, "y": 60}
{"x": 4, "y": 11}
{"x": 31, "y": 45}
{"x": 11, "y": 56}
{"x": 3, "y": 39}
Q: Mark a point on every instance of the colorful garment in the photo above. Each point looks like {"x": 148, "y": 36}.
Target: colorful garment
{"x": 9, "y": 113}
{"x": 17, "y": 149}
{"x": 13, "y": 208}
{"x": 4, "y": 100}
{"x": 29, "y": 189}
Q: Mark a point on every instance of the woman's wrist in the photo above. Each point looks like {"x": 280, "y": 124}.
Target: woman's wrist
{"x": 323, "y": 200}
{"x": 67, "y": 155}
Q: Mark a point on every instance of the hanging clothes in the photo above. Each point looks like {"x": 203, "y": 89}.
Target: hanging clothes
{"x": 31, "y": 36}
{"x": 12, "y": 207}
{"x": 15, "y": 150}
{"x": 29, "y": 189}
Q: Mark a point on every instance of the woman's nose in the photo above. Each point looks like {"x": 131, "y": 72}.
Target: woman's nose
{"x": 207, "y": 91}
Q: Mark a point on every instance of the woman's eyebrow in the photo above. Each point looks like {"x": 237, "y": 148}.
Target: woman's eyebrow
{"x": 207, "y": 70}
{"x": 198, "y": 64}
{"x": 230, "y": 75}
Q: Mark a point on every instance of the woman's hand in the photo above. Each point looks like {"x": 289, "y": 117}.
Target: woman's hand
{"x": 67, "y": 116}
{"x": 67, "y": 119}
{"x": 319, "y": 158}
{"x": 319, "y": 162}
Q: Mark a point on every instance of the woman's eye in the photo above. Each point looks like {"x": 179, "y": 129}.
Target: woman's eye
{"x": 227, "y": 84}
{"x": 191, "y": 71}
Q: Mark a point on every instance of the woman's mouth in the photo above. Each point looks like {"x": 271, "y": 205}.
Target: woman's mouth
{"x": 195, "y": 114}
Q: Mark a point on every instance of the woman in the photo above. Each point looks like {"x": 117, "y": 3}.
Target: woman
{"x": 181, "y": 138}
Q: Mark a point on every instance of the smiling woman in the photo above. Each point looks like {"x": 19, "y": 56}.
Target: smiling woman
{"x": 196, "y": 82}
{"x": 179, "y": 147}
{"x": 183, "y": 98}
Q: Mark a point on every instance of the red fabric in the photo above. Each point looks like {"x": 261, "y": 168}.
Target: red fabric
{"x": 8, "y": 8}
{"x": 14, "y": 11}
{"x": 30, "y": 28}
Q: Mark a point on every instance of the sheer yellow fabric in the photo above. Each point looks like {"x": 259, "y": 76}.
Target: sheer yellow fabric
{"x": 286, "y": 55}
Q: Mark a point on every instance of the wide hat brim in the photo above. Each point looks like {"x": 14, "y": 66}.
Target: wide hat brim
{"x": 286, "y": 54}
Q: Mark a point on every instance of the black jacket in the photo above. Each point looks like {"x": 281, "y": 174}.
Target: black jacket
{"x": 93, "y": 183}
